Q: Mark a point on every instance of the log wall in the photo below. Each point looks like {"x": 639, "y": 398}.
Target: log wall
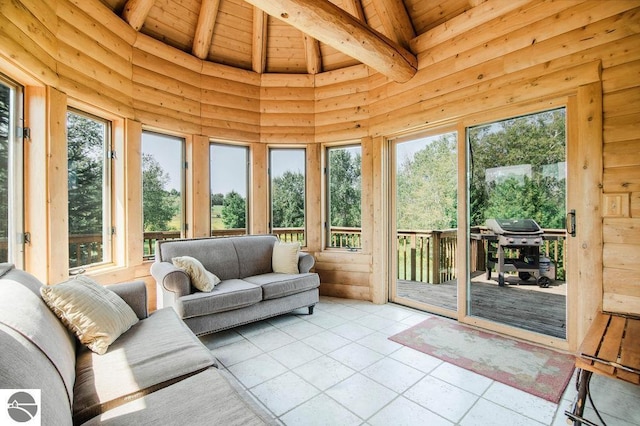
{"x": 492, "y": 57}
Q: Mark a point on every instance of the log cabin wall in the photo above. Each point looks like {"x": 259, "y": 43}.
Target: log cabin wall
{"x": 76, "y": 52}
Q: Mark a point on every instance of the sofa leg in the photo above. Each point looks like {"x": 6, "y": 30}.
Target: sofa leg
{"x": 311, "y": 309}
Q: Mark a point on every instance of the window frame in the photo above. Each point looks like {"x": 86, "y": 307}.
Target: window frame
{"x": 108, "y": 192}
{"x": 247, "y": 174}
{"x": 327, "y": 194}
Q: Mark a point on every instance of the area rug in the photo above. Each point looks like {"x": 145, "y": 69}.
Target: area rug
{"x": 535, "y": 370}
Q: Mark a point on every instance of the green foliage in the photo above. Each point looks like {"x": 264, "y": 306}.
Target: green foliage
{"x": 287, "y": 200}
{"x": 159, "y": 206}
{"x": 537, "y": 140}
{"x": 345, "y": 188}
{"x": 217, "y": 199}
{"x": 427, "y": 187}
{"x": 85, "y": 157}
{"x": 234, "y": 211}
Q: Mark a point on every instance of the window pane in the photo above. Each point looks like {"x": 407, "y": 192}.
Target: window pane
{"x": 229, "y": 183}
{"x": 162, "y": 178}
{"x": 88, "y": 186}
{"x": 345, "y": 191}
{"x": 287, "y": 169}
{"x": 5, "y": 125}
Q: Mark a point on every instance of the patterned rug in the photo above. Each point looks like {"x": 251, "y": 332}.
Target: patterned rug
{"x": 535, "y": 370}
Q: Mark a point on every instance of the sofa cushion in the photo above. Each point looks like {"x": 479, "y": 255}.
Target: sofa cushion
{"x": 206, "y": 398}
{"x": 285, "y": 258}
{"x": 156, "y": 350}
{"x": 228, "y": 295}
{"x": 254, "y": 252}
{"x": 23, "y": 310}
{"x": 201, "y": 279}
{"x": 217, "y": 255}
{"x": 95, "y": 314}
{"x": 276, "y": 285}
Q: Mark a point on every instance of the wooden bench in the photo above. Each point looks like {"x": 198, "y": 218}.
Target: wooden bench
{"x": 610, "y": 348}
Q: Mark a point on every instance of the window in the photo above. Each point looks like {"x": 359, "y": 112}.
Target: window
{"x": 287, "y": 174}
{"x": 344, "y": 192}
{"x": 162, "y": 189}
{"x": 11, "y": 227}
{"x": 229, "y": 187}
{"x": 89, "y": 186}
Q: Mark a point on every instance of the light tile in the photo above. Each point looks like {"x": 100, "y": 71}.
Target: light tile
{"x": 257, "y": 370}
{"x": 352, "y": 331}
{"x": 465, "y": 379}
{"x": 326, "y": 341}
{"x": 325, "y": 320}
{"x": 324, "y": 372}
{"x": 271, "y": 340}
{"x": 375, "y": 322}
{"x": 254, "y": 328}
{"x": 350, "y": 392}
{"x": 394, "y": 313}
{"x": 236, "y": 352}
{"x": 221, "y": 338}
{"x": 487, "y": 413}
{"x": 415, "y": 319}
{"x": 402, "y": 412}
{"x": 349, "y": 313}
{"x": 396, "y": 328}
{"x": 393, "y": 374}
{"x": 320, "y": 411}
{"x": 356, "y": 356}
{"x": 294, "y": 354}
{"x": 284, "y": 392}
{"x": 416, "y": 359}
{"x": 284, "y": 320}
{"x": 442, "y": 398}
{"x": 302, "y": 329}
{"x": 521, "y": 402}
{"x": 380, "y": 343}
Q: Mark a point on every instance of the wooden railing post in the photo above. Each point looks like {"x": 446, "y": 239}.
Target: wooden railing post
{"x": 435, "y": 279}
{"x": 413, "y": 257}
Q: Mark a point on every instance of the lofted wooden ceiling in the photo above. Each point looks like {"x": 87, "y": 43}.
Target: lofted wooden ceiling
{"x": 293, "y": 36}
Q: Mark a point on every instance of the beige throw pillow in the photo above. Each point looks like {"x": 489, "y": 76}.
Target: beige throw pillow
{"x": 95, "y": 314}
{"x": 201, "y": 279}
{"x": 285, "y": 258}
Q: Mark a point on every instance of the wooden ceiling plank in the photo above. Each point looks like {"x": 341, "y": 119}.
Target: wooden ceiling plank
{"x": 396, "y": 21}
{"x": 330, "y": 24}
{"x": 355, "y": 8}
{"x": 312, "y": 53}
{"x": 135, "y": 12}
{"x": 204, "y": 29}
{"x": 259, "y": 48}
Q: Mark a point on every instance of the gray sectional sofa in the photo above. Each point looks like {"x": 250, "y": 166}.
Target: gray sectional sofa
{"x": 249, "y": 289}
{"x": 156, "y": 373}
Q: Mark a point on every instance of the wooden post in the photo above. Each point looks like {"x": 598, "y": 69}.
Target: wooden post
{"x": 435, "y": 279}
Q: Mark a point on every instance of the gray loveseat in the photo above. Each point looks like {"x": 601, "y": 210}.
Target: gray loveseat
{"x": 156, "y": 373}
{"x": 249, "y": 289}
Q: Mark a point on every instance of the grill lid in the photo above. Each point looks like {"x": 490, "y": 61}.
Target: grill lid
{"x": 513, "y": 226}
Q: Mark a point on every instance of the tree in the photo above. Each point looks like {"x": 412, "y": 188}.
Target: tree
{"x": 427, "y": 187}
{"x": 234, "y": 211}
{"x": 217, "y": 199}
{"x": 159, "y": 206}
{"x": 345, "y": 188}
{"x": 536, "y": 140}
{"x": 287, "y": 200}
{"x": 85, "y": 158}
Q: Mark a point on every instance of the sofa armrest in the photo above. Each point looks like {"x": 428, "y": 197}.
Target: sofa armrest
{"x": 171, "y": 278}
{"x": 305, "y": 262}
{"x": 135, "y": 294}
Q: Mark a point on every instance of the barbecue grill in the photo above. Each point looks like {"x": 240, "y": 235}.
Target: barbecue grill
{"x": 525, "y": 237}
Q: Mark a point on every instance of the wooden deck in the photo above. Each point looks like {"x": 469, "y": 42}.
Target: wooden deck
{"x": 519, "y": 304}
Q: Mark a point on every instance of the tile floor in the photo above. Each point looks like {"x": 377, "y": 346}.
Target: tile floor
{"x": 337, "y": 367}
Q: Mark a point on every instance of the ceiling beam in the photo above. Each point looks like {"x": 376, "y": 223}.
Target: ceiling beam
{"x": 395, "y": 21}
{"x": 204, "y": 29}
{"x": 312, "y": 53}
{"x": 259, "y": 47}
{"x": 135, "y": 12}
{"x": 330, "y": 24}
{"x": 354, "y": 7}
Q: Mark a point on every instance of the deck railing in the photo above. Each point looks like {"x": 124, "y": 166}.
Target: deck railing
{"x": 423, "y": 255}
